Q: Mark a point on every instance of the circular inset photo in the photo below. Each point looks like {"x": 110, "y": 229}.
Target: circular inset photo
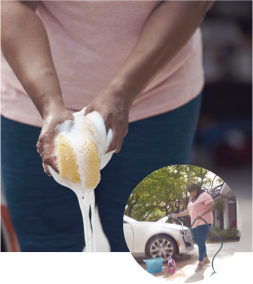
{"x": 182, "y": 223}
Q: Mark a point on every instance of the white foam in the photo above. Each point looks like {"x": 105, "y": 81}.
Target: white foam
{"x": 93, "y": 127}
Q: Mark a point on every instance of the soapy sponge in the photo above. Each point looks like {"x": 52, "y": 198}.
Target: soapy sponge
{"x": 92, "y": 165}
{"x": 67, "y": 160}
{"x": 87, "y": 164}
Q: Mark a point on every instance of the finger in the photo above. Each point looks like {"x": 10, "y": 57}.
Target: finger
{"x": 43, "y": 140}
{"x": 88, "y": 110}
{"x": 114, "y": 144}
{"x": 49, "y": 158}
{"x": 126, "y": 131}
{"x": 121, "y": 138}
{"x": 47, "y": 152}
{"x": 46, "y": 169}
{"x": 119, "y": 144}
{"x": 38, "y": 146}
{"x": 119, "y": 132}
{"x": 107, "y": 125}
{"x": 51, "y": 161}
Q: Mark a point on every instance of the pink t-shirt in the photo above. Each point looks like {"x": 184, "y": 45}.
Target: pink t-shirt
{"x": 197, "y": 207}
{"x": 89, "y": 41}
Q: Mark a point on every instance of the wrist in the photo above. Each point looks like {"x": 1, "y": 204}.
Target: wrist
{"x": 53, "y": 109}
{"x": 125, "y": 90}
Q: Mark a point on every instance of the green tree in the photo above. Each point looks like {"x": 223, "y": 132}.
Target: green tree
{"x": 164, "y": 192}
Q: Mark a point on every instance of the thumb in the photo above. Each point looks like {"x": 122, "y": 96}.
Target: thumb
{"x": 88, "y": 110}
{"x": 46, "y": 169}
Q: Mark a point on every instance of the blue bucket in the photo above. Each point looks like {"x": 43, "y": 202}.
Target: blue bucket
{"x": 154, "y": 265}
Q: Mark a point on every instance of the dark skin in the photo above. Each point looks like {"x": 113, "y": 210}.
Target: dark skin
{"x": 27, "y": 50}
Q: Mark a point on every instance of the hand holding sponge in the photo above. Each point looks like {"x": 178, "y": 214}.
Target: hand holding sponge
{"x": 81, "y": 151}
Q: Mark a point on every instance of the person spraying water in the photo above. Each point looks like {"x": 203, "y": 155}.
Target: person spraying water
{"x": 200, "y": 210}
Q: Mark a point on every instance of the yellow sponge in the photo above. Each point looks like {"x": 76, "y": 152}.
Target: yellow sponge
{"x": 68, "y": 162}
{"x": 92, "y": 172}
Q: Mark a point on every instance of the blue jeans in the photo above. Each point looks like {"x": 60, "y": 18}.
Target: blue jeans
{"x": 46, "y": 215}
{"x": 200, "y": 234}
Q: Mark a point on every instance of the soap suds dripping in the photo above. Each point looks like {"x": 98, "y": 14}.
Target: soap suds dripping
{"x": 86, "y": 140}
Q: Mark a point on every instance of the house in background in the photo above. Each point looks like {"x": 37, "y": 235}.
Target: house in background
{"x": 230, "y": 215}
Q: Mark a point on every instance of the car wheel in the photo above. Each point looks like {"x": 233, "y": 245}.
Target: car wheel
{"x": 161, "y": 246}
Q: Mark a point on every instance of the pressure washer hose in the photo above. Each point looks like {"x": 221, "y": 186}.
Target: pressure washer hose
{"x": 211, "y": 230}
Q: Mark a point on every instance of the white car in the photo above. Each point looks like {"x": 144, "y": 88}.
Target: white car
{"x": 156, "y": 239}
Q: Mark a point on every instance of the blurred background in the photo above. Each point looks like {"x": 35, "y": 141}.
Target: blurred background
{"x": 223, "y": 142}
{"x": 224, "y": 132}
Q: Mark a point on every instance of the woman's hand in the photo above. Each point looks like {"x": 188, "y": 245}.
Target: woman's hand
{"x": 174, "y": 216}
{"x": 163, "y": 36}
{"x": 210, "y": 208}
{"x": 113, "y": 105}
{"x": 45, "y": 145}
{"x": 199, "y": 216}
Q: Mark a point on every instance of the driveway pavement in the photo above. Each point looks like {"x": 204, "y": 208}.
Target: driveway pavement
{"x": 186, "y": 263}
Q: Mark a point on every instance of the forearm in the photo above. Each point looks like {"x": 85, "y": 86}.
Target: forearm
{"x": 164, "y": 34}
{"x": 184, "y": 213}
{"x": 209, "y": 209}
{"x": 26, "y": 48}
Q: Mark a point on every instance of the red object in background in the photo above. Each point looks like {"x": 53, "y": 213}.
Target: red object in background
{"x": 234, "y": 225}
{"x": 231, "y": 157}
{"x": 9, "y": 233}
